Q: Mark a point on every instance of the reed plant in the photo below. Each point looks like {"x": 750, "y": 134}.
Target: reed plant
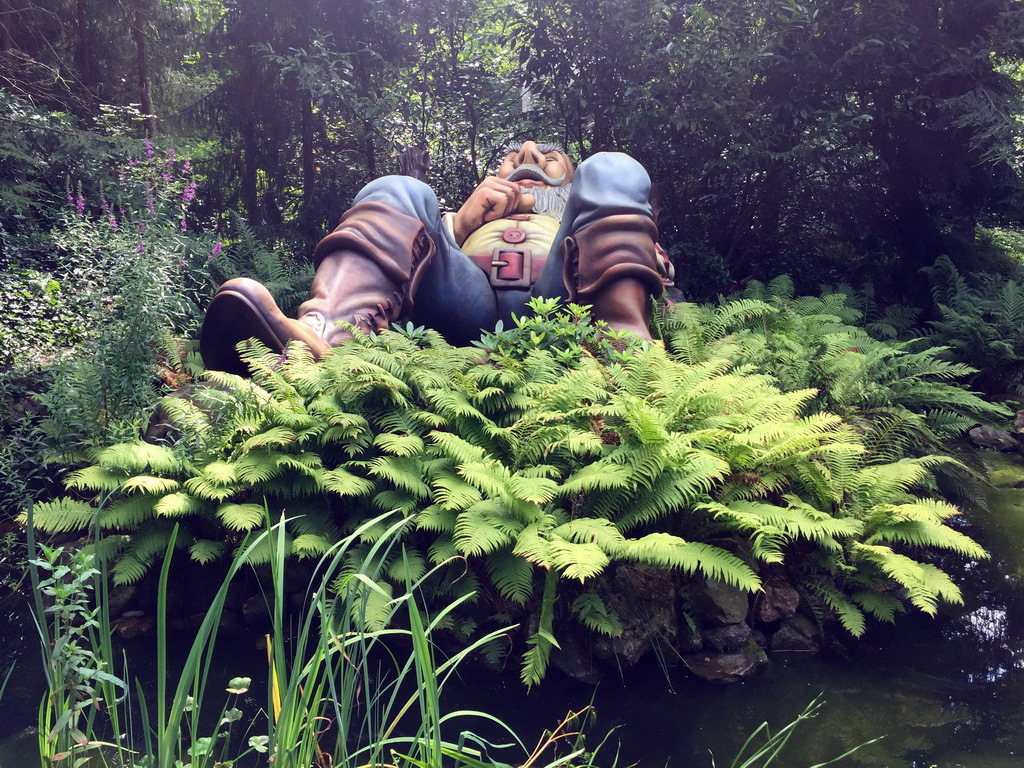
{"x": 337, "y": 692}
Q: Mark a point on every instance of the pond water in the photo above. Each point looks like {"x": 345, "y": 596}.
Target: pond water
{"x": 945, "y": 692}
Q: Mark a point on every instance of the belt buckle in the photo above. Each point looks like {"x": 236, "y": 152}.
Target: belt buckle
{"x": 524, "y": 281}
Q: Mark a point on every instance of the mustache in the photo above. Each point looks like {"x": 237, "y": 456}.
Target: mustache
{"x": 531, "y": 171}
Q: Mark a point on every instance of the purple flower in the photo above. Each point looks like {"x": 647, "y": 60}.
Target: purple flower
{"x": 149, "y": 149}
{"x": 187, "y": 166}
{"x": 80, "y": 204}
{"x": 183, "y": 225}
{"x": 166, "y": 176}
{"x": 181, "y": 262}
{"x": 171, "y": 154}
{"x": 189, "y": 194}
{"x": 141, "y": 248}
{"x": 215, "y": 250}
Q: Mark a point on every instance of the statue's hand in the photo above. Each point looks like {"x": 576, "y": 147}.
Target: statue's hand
{"x": 494, "y": 199}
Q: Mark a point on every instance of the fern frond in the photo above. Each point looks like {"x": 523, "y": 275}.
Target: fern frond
{"x": 177, "y": 505}
{"x": 97, "y": 478}
{"x": 668, "y": 551}
{"x": 596, "y": 615}
{"x": 205, "y": 551}
{"x": 62, "y": 515}
{"x": 241, "y": 517}
{"x": 511, "y": 574}
{"x": 149, "y": 484}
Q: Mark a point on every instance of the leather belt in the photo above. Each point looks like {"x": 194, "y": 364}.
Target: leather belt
{"x": 510, "y": 267}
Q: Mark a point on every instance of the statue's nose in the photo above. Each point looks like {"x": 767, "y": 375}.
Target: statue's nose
{"x": 530, "y": 153}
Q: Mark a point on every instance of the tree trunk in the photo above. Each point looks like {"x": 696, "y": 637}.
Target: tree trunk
{"x": 84, "y": 59}
{"x": 142, "y": 67}
{"x": 6, "y": 21}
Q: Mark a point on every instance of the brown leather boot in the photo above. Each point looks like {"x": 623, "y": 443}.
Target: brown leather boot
{"x": 614, "y": 266}
{"x": 366, "y": 274}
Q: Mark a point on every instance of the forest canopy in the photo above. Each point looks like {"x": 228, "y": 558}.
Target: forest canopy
{"x": 828, "y": 139}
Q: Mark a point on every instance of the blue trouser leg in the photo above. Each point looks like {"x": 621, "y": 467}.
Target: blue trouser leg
{"x": 607, "y": 184}
{"x": 454, "y": 295}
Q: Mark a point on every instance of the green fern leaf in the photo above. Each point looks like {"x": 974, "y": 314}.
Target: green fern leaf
{"x": 138, "y": 457}
{"x": 310, "y": 545}
{"x": 97, "y": 478}
{"x": 129, "y": 513}
{"x": 62, "y": 515}
{"x": 206, "y": 551}
{"x": 150, "y": 484}
{"x": 178, "y": 504}
{"x": 850, "y": 616}
{"x": 596, "y": 615}
{"x": 511, "y": 574}
{"x": 399, "y": 445}
{"x": 880, "y": 605}
{"x": 203, "y": 489}
{"x": 241, "y": 517}
{"x": 344, "y": 483}
{"x": 666, "y": 550}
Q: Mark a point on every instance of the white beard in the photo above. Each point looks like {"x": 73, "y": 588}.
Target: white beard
{"x": 551, "y": 201}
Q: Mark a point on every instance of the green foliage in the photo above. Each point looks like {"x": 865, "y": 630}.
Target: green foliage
{"x": 518, "y": 463}
{"x": 247, "y": 255}
{"x": 900, "y": 396}
{"x": 75, "y": 670}
{"x": 982, "y": 322}
{"x": 126, "y": 274}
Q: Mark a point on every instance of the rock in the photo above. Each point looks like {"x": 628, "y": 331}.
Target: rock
{"x": 644, "y": 601}
{"x": 128, "y": 627}
{"x": 231, "y": 622}
{"x": 257, "y": 613}
{"x": 1018, "y": 423}
{"x": 777, "y": 601}
{"x": 727, "y": 638}
{"x": 797, "y": 634}
{"x": 727, "y": 667}
{"x": 573, "y": 660}
{"x": 118, "y": 598}
{"x": 1007, "y": 477}
{"x": 689, "y": 640}
{"x": 722, "y": 604}
{"x": 993, "y": 439}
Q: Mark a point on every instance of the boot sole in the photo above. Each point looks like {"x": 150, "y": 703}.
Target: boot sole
{"x": 231, "y": 319}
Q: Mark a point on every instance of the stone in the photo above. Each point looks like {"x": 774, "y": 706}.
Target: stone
{"x": 644, "y": 601}
{"x": 128, "y": 627}
{"x": 1018, "y": 423}
{"x": 721, "y": 603}
{"x": 993, "y": 439}
{"x": 573, "y": 660}
{"x": 798, "y": 634}
{"x": 729, "y": 637}
{"x": 257, "y": 613}
{"x": 118, "y": 598}
{"x": 777, "y": 601}
{"x": 727, "y": 667}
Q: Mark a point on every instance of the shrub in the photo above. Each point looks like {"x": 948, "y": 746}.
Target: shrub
{"x": 537, "y": 474}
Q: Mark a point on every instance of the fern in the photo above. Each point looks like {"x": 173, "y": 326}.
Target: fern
{"x": 768, "y": 431}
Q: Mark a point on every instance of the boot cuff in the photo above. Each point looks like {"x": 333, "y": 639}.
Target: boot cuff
{"x": 612, "y": 248}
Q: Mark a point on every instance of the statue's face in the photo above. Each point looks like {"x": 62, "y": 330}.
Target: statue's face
{"x": 536, "y": 165}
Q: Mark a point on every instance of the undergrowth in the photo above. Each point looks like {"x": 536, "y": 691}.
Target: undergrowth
{"x": 528, "y": 476}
